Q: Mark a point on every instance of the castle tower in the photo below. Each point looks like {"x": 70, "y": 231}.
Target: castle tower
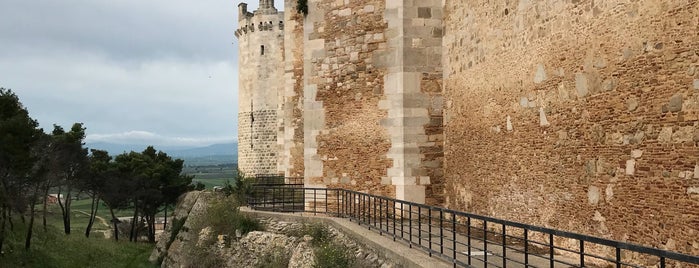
{"x": 261, "y": 70}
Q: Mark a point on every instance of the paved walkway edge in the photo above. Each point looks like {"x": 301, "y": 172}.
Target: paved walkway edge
{"x": 399, "y": 252}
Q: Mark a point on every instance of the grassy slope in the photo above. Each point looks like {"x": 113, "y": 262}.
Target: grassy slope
{"x": 55, "y": 249}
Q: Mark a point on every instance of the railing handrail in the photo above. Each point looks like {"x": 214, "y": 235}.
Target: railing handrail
{"x": 560, "y": 233}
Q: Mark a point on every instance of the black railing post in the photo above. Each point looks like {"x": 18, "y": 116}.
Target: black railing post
{"x": 394, "y": 221}
{"x": 453, "y": 238}
{"x": 410, "y": 225}
{"x": 402, "y": 220}
{"x": 662, "y": 262}
{"x": 551, "y": 250}
{"x": 618, "y": 257}
{"x": 468, "y": 236}
{"x": 582, "y": 253}
{"x": 441, "y": 231}
{"x": 388, "y": 218}
{"x": 315, "y": 201}
{"x": 526, "y": 247}
{"x": 380, "y": 215}
{"x": 485, "y": 243}
{"x": 504, "y": 246}
{"x": 419, "y": 226}
{"x": 429, "y": 229}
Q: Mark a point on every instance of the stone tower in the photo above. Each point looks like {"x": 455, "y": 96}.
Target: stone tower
{"x": 261, "y": 61}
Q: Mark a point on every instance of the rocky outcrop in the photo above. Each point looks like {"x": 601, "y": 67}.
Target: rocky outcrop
{"x": 190, "y": 204}
{"x": 283, "y": 244}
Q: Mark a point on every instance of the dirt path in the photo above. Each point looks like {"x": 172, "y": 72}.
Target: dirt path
{"x": 102, "y": 220}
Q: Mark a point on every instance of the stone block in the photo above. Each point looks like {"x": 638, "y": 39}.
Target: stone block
{"x": 636, "y": 153}
{"x": 411, "y": 193}
{"x": 424, "y": 12}
{"x": 692, "y": 190}
{"x": 675, "y": 104}
{"x": 632, "y": 104}
{"x": 404, "y": 181}
{"x": 543, "y": 122}
{"x": 665, "y": 135}
{"x": 524, "y": 102}
{"x": 630, "y": 167}
{"x": 581, "y": 85}
{"x": 593, "y": 195}
{"x": 540, "y": 74}
{"x": 344, "y": 12}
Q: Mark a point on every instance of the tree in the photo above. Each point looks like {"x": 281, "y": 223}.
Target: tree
{"x": 69, "y": 164}
{"x": 37, "y": 178}
{"x": 18, "y": 136}
{"x": 100, "y": 170}
{"x": 117, "y": 191}
{"x": 157, "y": 182}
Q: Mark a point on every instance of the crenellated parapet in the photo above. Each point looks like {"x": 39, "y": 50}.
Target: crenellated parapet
{"x": 259, "y": 26}
{"x": 265, "y": 18}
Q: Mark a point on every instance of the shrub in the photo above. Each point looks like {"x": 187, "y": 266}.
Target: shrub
{"x": 302, "y": 7}
{"x": 333, "y": 255}
{"x": 278, "y": 258}
{"x": 320, "y": 233}
{"x": 328, "y": 253}
{"x": 224, "y": 217}
{"x": 199, "y": 186}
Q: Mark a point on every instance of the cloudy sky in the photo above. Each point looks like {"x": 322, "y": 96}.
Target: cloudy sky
{"x": 161, "y": 72}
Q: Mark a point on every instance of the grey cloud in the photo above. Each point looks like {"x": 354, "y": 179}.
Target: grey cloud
{"x": 128, "y": 66}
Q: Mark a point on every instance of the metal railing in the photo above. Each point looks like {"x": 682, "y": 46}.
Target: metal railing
{"x": 464, "y": 239}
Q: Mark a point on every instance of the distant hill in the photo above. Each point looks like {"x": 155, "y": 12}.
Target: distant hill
{"x": 215, "y": 149}
{"x": 215, "y": 154}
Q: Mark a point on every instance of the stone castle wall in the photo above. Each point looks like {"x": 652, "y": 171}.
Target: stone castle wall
{"x": 577, "y": 115}
{"x": 373, "y": 103}
{"x": 261, "y": 61}
{"x": 292, "y": 106}
{"x": 344, "y": 144}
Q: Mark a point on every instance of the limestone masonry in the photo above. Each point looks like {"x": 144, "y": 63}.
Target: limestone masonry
{"x": 578, "y": 115}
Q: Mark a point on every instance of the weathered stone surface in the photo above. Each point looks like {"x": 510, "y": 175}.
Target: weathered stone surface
{"x": 610, "y": 77}
{"x": 632, "y": 104}
{"x": 608, "y": 102}
{"x": 675, "y": 104}
{"x": 593, "y": 195}
{"x": 540, "y": 75}
{"x": 303, "y": 255}
{"x": 542, "y": 118}
{"x": 581, "y": 85}
{"x": 508, "y": 124}
{"x": 636, "y": 153}
{"x": 280, "y": 238}
{"x": 184, "y": 207}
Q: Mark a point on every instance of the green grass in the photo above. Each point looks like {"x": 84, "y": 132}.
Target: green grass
{"x": 210, "y": 183}
{"x": 80, "y": 210}
{"x": 55, "y": 249}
